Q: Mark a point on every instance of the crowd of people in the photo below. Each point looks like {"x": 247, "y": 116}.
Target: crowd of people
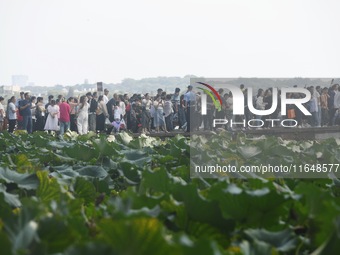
{"x": 324, "y": 106}
{"x": 161, "y": 113}
{"x": 93, "y": 112}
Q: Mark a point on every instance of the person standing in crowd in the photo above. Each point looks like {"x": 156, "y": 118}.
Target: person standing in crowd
{"x": 19, "y": 114}
{"x": 198, "y": 116}
{"x": 324, "y": 107}
{"x": 126, "y": 98}
{"x": 12, "y": 114}
{"x": 268, "y": 100}
{"x": 110, "y": 106}
{"x": 159, "y": 92}
{"x": 146, "y": 116}
{"x": 181, "y": 113}
{"x": 122, "y": 106}
{"x": 168, "y": 113}
{"x": 73, "y": 113}
{"x": 33, "y": 108}
{"x": 50, "y": 97}
{"x": 190, "y": 104}
{"x": 64, "y": 120}
{"x": 83, "y": 117}
{"x": 336, "y": 117}
{"x": 25, "y": 107}
{"x": 110, "y": 110}
{"x": 51, "y": 123}
{"x": 2, "y": 114}
{"x": 116, "y": 98}
{"x": 92, "y": 100}
{"x": 318, "y": 94}
{"x": 101, "y": 114}
{"x": 298, "y": 114}
{"x": 331, "y": 92}
{"x": 127, "y": 111}
{"x": 58, "y": 102}
{"x": 247, "y": 113}
{"x": 318, "y": 107}
{"x": 229, "y": 103}
{"x": 106, "y": 96}
{"x": 159, "y": 114}
{"x": 260, "y": 104}
{"x": 40, "y": 114}
{"x": 136, "y": 115}
{"x": 175, "y": 99}
{"x": 59, "y": 99}
{"x": 208, "y": 118}
{"x": 22, "y": 97}
{"x": 133, "y": 118}
{"x": 313, "y": 107}
{"x": 118, "y": 122}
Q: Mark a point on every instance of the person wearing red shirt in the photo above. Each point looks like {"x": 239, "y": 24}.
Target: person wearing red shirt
{"x": 64, "y": 120}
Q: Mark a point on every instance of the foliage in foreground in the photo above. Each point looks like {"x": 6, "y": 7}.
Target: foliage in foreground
{"x": 97, "y": 195}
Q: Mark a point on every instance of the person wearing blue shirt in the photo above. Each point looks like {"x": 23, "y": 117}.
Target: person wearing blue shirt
{"x": 25, "y": 108}
{"x": 190, "y": 104}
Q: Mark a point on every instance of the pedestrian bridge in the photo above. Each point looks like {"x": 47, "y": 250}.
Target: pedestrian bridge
{"x": 320, "y": 133}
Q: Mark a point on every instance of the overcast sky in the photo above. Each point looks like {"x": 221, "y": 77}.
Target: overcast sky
{"x": 66, "y": 41}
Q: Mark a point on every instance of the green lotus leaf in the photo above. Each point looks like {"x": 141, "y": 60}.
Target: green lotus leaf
{"x": 141, "y": 236}
{"x": 49, "y": 188}
{"x": 11, "y": 199}
{"x": 23, "y": 180}
{"x": 283, "y": 241}
{"x": 92, "y": 171}
{"x": 84, "y": 189}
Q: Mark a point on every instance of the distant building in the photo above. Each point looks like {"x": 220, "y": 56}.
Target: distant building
{"x": 9, "y": 90}
{"x": 19, "y": 80}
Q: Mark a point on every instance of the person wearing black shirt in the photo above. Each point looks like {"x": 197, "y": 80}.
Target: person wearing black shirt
{"x": 92, "y": 100}
{"x": 110, "y": 105}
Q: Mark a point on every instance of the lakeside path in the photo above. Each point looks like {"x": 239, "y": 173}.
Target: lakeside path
{"x": 284, "y": 133}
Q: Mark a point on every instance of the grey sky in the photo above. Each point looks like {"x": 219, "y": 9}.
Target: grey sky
{"x": 66, "y": 41}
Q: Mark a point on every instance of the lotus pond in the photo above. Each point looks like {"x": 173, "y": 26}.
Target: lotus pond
{"x": 95, "y": 194}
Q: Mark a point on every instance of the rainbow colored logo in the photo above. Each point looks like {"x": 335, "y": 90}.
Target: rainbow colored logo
{"x": 217, "y": 102}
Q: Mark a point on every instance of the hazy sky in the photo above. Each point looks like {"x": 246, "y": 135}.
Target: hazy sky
{"x": 66, "y": 41}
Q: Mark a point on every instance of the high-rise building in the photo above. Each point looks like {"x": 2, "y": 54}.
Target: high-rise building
{"x": 19, "y": 80}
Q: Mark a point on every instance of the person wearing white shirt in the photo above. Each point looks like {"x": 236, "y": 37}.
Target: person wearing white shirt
{"x": 118, "y": 118}
{"x": 159, "y": 120}
{"x": 2, "y": 114}
{"x": 12, "y": 114}
{"x": 337, "y": 99}
{"x": 122, "y": 105}
{"x": 168, "y": 113}
{"x": 146, "y": 115}
{"x": 105, "y": 96}
{"x": 83, "y": 117}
